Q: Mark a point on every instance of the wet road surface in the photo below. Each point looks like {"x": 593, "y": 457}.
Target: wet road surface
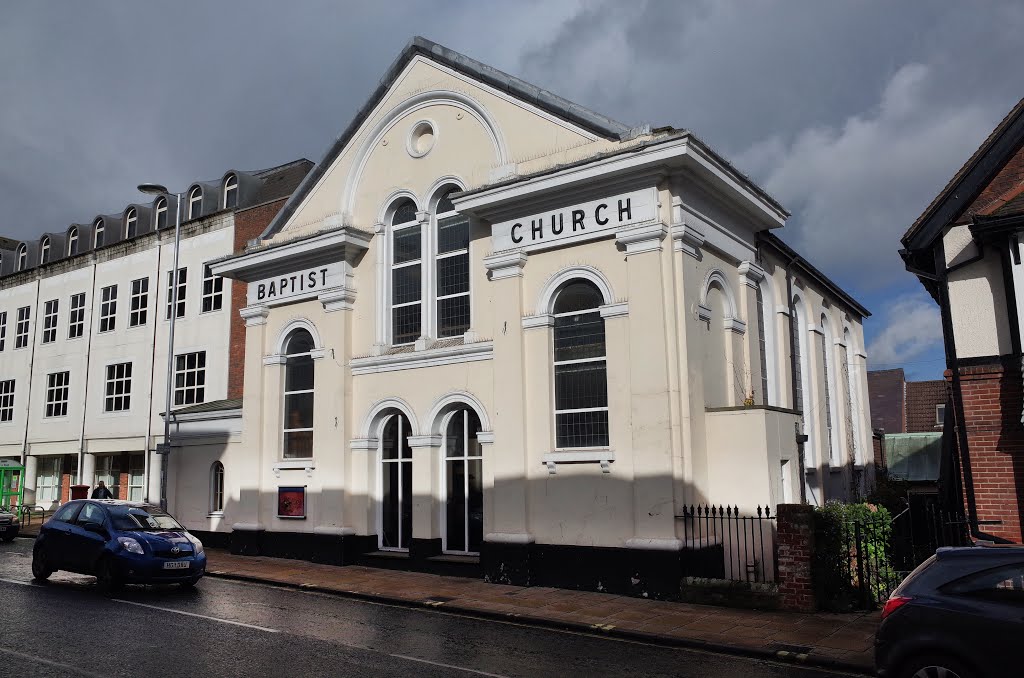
{"x": 226, "y": 628}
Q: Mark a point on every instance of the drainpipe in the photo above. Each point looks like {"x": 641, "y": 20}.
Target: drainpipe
{"x": 28, "y": 396}
{"x": 801, "y": 437}
{"x": 88, "y": 357}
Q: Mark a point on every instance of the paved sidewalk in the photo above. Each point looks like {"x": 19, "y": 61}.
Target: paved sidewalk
{"x": 832, "y": 640}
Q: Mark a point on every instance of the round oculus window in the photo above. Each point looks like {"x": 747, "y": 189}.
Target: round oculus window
{"x": 421, "y": 139}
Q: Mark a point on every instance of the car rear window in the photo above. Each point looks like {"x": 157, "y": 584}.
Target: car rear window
{"x": 913, "y": 576}
{"x": 999, "y": 584}
{"x": 138, "y": 518}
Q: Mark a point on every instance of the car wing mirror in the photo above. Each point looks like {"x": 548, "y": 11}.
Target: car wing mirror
{"x": 95, "y": 528}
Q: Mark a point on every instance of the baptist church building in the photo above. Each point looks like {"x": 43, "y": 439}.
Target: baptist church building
{"x": 493, "y": 329}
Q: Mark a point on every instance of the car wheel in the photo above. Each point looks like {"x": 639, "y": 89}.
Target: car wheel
{"x": 936, "y": 667}
{"x": 107, "y": 581}
{"x": 41, "y": 569}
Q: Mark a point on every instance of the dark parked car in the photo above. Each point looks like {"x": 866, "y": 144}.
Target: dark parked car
{"x": 8, "y": 525}
{"x": 119, "y": 542}
{"x": 959, "y": 615}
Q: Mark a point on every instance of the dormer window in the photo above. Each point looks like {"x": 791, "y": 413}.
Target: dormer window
{"x": 160, "y": 218}
{"x": 195, "y": 203}
{"x": 22, "y": 257}
{"x": 44, "y": 250}
{"x": 230, "y": 191}
{"x": 131, "y": 223}
{"x": 72, "y": 242}
{"x": 97, "y": 234}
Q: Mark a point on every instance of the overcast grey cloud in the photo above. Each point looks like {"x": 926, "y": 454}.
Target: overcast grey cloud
{"x": 853, "y": 114}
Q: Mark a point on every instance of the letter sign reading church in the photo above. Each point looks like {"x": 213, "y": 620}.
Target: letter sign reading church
{"x": 584, "y": 221}
{"x": 294, "y": 286}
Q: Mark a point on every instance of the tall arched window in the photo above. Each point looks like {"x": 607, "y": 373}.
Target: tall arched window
{"x": 762, "y": 345}
{"x": 22, "y": 257}
{"x": 230, "y": 191}
{"x": 298, "y": 396}
{"x": 452, "y": 269}
{"x": 97, "y": 234}
{"x": 464, "y": 488}
{"x": 825, "y": 338}
{"x": 131, "y": 223}
{"x": 581, "y": 379}
{"x": 852, "y": 401}
{"x": 406, "y": 287}
{"x": 44, "y": 249}
{"x": 798, "y": 357}
{"x": 195, "y": 203}
{"x": 217, "y": 487}
{"x": 396, "y": 483}
{"x": 72, "y": 241}
{"x": 160, "y": 215}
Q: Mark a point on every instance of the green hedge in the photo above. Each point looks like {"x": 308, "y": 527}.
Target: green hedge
{"x": 852, "y": 543}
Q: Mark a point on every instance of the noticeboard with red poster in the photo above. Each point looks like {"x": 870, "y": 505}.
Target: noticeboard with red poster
{"x": 291, "y": 502}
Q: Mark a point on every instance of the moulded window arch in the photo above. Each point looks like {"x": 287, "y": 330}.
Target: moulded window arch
{"x": 463, "y": 504}
{"x": 72, "y": 241}
{"x": 298, "y": 395}
{"x": 44, "y": 249}
{"x": 22, "y": 261}
{"x": 195, "y": 202}
{"x": 131, "y": 223}
{"x": 97, "y": 234}
{"x": 406, "y": 266}
{"x": 580, "y": 367}
{"x": 160, "y": 214}
{"x": 217, "y": 487}
{"x": 230, "y": 191}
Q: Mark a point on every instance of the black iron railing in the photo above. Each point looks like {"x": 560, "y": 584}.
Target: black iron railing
{"x": 722, "y": 543}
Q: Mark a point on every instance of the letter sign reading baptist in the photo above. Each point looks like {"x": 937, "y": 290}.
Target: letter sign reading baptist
{"x": 294, "y": 286}
{"x": 584, "y": 221}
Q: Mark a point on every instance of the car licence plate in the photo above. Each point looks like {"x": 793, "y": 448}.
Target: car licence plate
{"x": 176, "y": 565}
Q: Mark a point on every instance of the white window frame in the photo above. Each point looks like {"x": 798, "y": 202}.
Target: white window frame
{"x": 160, "y": 211}
{"x": 7, "y": 387}
{"x": 97, "y": 234}
{"x": 58, "y": 387}
{"x": 76, "y": 316}
{"x": 434, "y": 249}
{"x": 832, "y": 447}
{"x": 465, "y": 458}
{"x": 3, "y": 329}
{"x": 22, "y": 257}
{"x": 108, "y": 473}
{"x": 131, "y": 223}
{"x": 853, "y": 397}
{"x": 285, "y": 393}
{"x": 138, "y": 303}
{"x": 940, "y": 418}
{"x": 108, "y": 309}
{"x": 44, "y": 250}
{"x": 198, "y": 389}
{"x": 557, "y": 363}
{"x": 117, "y": 387}
{"x": 217, "y": 489}
{"x": 182, "y": 290}
{"x": 195, "y": 202}
{"x": 392, "y": 266}
{"x": 22, "y": 326}
{"x": 49, "y": 472}
{"x": 50, "y": 311}
{"x": 381, "y": 461}
{"x": 136, "y": 477}
{"x": 213, "y": 291}
{"x": 230, "y": 184}
{"x": 73, "y": 241}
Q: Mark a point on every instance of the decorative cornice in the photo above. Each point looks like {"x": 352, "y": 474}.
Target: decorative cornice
{"x": 619, "y": 310}
{"x": 306, "y": 465}
{"x": 318, "y": 353}
{"x": 276, "y": 359}
{"x": 534, "y": 321}
{"x": 505, "y": 265}
{"x": 751, "y": 273}
{"x": 424, "y": 441}
{"x": 338, "y": 299}
{"x": 811, "y": 327}
{"x": 703, "y": 313}
{"x": 363, "y": 444}
{"x": 639, "y": 239}
{"x": 485, "y": 437}
{"x": 735, "y": 325}
{"x": 688, "y": 239}
{"x": 254, "y": 315}
{"x": 462, "y": 353}
{"x": 604, "y": 457}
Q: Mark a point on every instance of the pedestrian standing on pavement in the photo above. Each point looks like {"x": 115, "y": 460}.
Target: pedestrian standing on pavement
{"x": 101, "y": 492}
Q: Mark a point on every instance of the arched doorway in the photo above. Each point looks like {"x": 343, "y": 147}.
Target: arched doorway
{"x": 463, "y": 505}
{"x": 395, "y": 483}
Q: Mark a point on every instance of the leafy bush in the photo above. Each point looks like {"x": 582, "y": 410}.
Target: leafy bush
{"x": 851, "y": 561}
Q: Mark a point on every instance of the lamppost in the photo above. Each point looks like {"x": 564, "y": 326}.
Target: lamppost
{"x": 165, "y": 449}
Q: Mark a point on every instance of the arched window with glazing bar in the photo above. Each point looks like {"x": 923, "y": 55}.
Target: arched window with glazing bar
{"x": 298, "y": 395}
{"x": 580, "y": 368}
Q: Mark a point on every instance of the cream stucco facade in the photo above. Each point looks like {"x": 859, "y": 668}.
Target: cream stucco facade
{"x": 687, "y": 290}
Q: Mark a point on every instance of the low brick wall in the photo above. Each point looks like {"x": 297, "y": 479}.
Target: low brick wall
{"x": 795, "y": 547}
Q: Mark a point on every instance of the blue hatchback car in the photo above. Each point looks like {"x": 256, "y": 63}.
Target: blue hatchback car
{"x": 120, "y": 542}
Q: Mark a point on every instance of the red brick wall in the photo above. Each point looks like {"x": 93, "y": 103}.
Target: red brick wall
{"x": 1008, "y": 178}
{"x": 992, "y": 398}
{"x": 922, "y": 397}
{"x": 249, "y": 223}
{"x": 795, "y": 544}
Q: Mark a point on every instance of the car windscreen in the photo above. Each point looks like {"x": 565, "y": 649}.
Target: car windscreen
{"x": 135, "y": 518}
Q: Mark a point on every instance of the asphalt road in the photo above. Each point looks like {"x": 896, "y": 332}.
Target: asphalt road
{"x": 225, "y": 628}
